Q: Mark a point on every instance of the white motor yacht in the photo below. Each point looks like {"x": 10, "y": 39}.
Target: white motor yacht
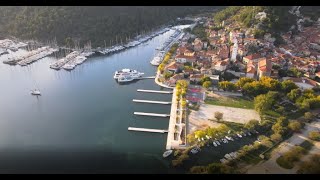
{"x": 68, "y": 66}
{"x": 35, "y": 92}
{"x": 133, "y": 73}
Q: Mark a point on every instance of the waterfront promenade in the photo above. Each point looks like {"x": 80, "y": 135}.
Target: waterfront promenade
{"x": 160, "y": 83}
{"x": 171, "y": 143}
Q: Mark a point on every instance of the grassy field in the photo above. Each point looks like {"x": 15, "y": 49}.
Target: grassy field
{"x": 236, "y": 102}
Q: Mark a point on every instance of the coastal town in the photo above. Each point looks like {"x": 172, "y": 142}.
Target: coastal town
{"x": 220, "y": 80}
{"x": 226, "y": 92}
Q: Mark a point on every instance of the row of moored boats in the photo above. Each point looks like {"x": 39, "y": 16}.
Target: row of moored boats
{"x": 157, "y": 59}
{"x": 7, "y": 44}
{"x": 30, "y": 56}
{"x": 133, "y": 43}
{"x": 71, "y": 60}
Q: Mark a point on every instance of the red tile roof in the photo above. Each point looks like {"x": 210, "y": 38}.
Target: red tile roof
{"x": 173, "y": 65}
{"x": 253, "y": 56}
{"x": 265, "y": 65}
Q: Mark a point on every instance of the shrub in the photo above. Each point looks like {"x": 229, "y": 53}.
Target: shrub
{"x": 295, "y": 126}
{"x": 218, "y": 115}
{"x": 314, "y": 135}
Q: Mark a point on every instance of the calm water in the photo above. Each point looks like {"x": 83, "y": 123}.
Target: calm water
{"x": 80, "y": 123}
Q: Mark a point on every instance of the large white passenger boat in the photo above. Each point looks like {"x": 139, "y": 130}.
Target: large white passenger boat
{"x": 128, "y": 72}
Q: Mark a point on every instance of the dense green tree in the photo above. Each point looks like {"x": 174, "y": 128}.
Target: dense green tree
{"x": 308, "y": 116}
{"x": 264, "y": 102}
{"x": 97, "y": 24}
{"x": 207, "y": 84}
{"x": 288, "y": 85}
{"x": 204, "y": 79}
{"x": 314, "y": 135}
{"x": 294, "y": 94}
{"x": 311, "y": 166}
{"x": 294, "y": 126}
{"x": 242, "y": 81}
{"x": 227, "y": 86}
{"x": 218, "y": 168}
{"x": 252, "y": 124}
{"x": 276, "y": 137}
{"x": 199, "y": 170}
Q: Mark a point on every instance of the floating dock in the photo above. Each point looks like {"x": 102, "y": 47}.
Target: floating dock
{"x": 152, "y": 102}
{"x": 147, "y": 130}
{"x": 151, "y": 114}
{"x": 149, "y": 77}
{"x": 153, "y": 91}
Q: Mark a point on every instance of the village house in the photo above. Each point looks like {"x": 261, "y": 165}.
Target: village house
{"x": 196, "y": 78}
{"x": 251, "y": 70}
{"x": 173, "y": 80}
{"x": 183, "y": 59}
{"x": 223, "y": 52}
{"x": 220, "y": 65}
{"x": 197, "y": 44}
{"x": 187, "y": 72}
{"x": 205, "y": 71}
{"x": 252, "y": 57}
{"x": 242, "y": 51}
{"x": 252, "y": 41}
{"x": 310, "y": 75}
{"x": 204, "y": 63}
{"x": 174, "y": 66}
{"x": 264, "y": 67}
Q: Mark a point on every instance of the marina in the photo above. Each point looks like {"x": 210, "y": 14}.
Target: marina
{"x": 164, "y": 48}
{"x": 86, "y": 108}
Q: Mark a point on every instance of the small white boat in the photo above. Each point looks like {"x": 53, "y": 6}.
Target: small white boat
{"x": 35, "y": 92}
{"x": 239, "y": 135}
{"x": 194, "y": 151}
{"x": 214, "y": 144}
{"x": 167, "y": 153}
{"x": 217, "y": 142}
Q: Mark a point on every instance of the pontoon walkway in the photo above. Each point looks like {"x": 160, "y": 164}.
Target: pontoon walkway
{"x": 151, "y": 114}
{"x": 153, "y": 91}
{"x": 147, "y": 130}
{"x": 152, "y": 102}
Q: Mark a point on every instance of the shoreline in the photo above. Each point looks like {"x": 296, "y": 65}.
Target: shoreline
{"x": 156, "y": 80}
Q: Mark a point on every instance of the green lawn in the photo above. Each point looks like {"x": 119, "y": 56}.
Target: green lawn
{"x": 236, "y": 102}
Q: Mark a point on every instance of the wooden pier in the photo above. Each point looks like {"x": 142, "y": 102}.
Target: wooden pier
{"x": 151, "y": 114}
{"x": 154, "y": 91}
{"x": 152, "y": 102}
{"x": 147, "y": 130}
